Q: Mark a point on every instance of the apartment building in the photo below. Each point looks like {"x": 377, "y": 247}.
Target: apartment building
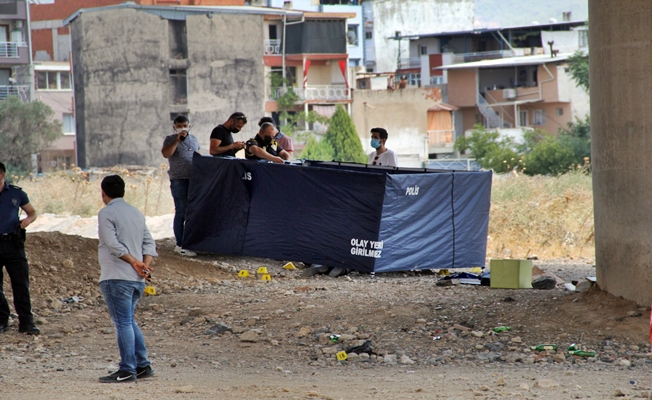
{"x": 315, "y": 59}
{"x": 15, "y": 79}
{"x": 511, "y": 79}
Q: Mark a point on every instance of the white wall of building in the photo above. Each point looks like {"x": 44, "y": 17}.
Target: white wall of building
{"x": 569, "y": 91}
{"x": 412, "y": 18}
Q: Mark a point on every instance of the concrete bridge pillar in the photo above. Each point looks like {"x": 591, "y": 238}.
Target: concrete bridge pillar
{"x": 620, "y": 42}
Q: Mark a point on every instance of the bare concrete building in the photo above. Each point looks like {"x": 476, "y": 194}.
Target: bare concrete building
{"x": 136, "y": 67}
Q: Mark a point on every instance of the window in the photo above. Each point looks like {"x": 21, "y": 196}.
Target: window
{"x": 354, "y": 62}
{"x": 412, "y": 79}
{"x": 583, "y": 37}
{"x": 64, "y": 80}
{"x": 539, "y": 117}
{"x": 559, "y": 111}
{"x": 68, "y": 123}
{"x": 369, "y": 35}
{"x": 522, "y": 118}
{"x": 174, "y": 115}
{"x": 177, "y": 39}
{"x": 178, "y": 86}
{"x": 423, "y": 49}
{"x": 290, "y": 75}
{"x": 437, "y": 80}
{"x": 53, "y": 80}
{"x": 273, "y": 32}
{"x": 352, "y": 35}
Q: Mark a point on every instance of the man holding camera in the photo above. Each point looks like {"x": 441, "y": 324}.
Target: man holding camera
{"x": 179, "y": 148}
{"x": 12, "y": 254}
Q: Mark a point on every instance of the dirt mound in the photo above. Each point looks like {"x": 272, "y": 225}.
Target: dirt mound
{"x": 66, "y": 266}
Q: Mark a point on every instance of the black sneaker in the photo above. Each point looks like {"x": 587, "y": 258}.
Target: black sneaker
{"x": 144, "y": 372}
{"x": 118, "y": 377}
{"x": 29, "y": 329}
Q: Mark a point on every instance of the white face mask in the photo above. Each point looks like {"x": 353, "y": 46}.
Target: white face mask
{"x": 177, "y": 130}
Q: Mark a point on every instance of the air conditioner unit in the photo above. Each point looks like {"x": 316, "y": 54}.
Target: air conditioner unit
{"x": 509, "y": 94}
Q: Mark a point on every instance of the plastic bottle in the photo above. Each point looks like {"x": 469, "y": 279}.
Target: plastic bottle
{"x": 502, "y": 328}
{"x": 544, "y": 347}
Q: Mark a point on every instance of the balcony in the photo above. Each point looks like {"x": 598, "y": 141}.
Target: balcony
{"x": 14, "y": 53}
{"x": 20, "y": 91}
{"x": 273, "y": 47}
{"x": 440, "y": 138}
{"x": 481, "y": 55}
{"x": 410, "y": 62}
{"x": 324, "y": 92}
{"x": 315, "y": 92}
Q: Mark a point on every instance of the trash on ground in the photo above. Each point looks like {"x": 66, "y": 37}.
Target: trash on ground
{"x": 544, "y": 347}
{"x": 363, "y": 348}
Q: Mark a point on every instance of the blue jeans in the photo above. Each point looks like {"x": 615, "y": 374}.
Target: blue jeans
{"x": 121, "y": 298}
{"x": 179, "y": 188}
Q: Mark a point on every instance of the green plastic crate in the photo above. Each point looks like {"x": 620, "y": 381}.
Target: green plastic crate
{"x": 511, "y": 274}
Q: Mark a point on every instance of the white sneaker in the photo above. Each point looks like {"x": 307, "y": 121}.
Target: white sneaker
{"x": 184, "y": 252}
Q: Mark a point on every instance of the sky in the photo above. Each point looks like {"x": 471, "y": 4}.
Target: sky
{"x": 494, "y": 13}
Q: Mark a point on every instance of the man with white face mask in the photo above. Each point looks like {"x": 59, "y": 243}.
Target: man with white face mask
{"x": 382, "y": 155}
{"x": 179, "y": 148}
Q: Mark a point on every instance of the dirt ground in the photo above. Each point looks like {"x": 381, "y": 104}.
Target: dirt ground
{"x": 426, "y": 341}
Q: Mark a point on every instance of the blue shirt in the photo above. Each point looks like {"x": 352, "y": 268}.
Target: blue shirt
{"x": 11, "y": 199}
{"x": 122, "y": 230}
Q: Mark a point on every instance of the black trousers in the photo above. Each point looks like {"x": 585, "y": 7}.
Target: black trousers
{"x": 14, "y": 261}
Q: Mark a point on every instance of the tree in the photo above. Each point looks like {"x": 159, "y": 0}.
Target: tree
{"x": 490, "y": 149}
{"x": 317, "y": 150}
{"x": 290, "y": 122}
{"x": 25, "y": 129}
{"x": 344, "y": 139}
{"x": 578, "y": 64}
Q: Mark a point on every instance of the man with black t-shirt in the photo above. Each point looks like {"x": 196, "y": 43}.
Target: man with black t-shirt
{"x": 264, "y": 147}
{"x": 222, "y": 143}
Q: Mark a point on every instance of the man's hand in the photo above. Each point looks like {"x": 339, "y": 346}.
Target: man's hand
{"x": 238, "y": 145}
{"x": 142, "y": 269}
{"x": 278, "y": 160}
{"x": 182, "y": 135}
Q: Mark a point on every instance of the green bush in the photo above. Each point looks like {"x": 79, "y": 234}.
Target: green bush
{"x": 319, "y": 150}
{"x": 541, "y": 153}
{"x": 490, "y": 149}
{"x": 343, "y": 138}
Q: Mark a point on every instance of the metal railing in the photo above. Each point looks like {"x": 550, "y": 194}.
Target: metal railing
{"x": 440, "y": 138}
{"x": 458, "y": 164}
{"x": 20, "y": 91}
{"x": 490, "y": 115}
{"x": 10, "y": 49}
{"x": 317, "y": 92}
{"x": 324, "y": 92}
{"x": 503, "y": 115}
{"x": 273, "y": 46}
{"x": 411, "y": 62}
{"x": 481, "y": 55}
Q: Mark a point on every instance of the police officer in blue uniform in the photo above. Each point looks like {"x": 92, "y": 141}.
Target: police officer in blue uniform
{"x": 12, "y": 254}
